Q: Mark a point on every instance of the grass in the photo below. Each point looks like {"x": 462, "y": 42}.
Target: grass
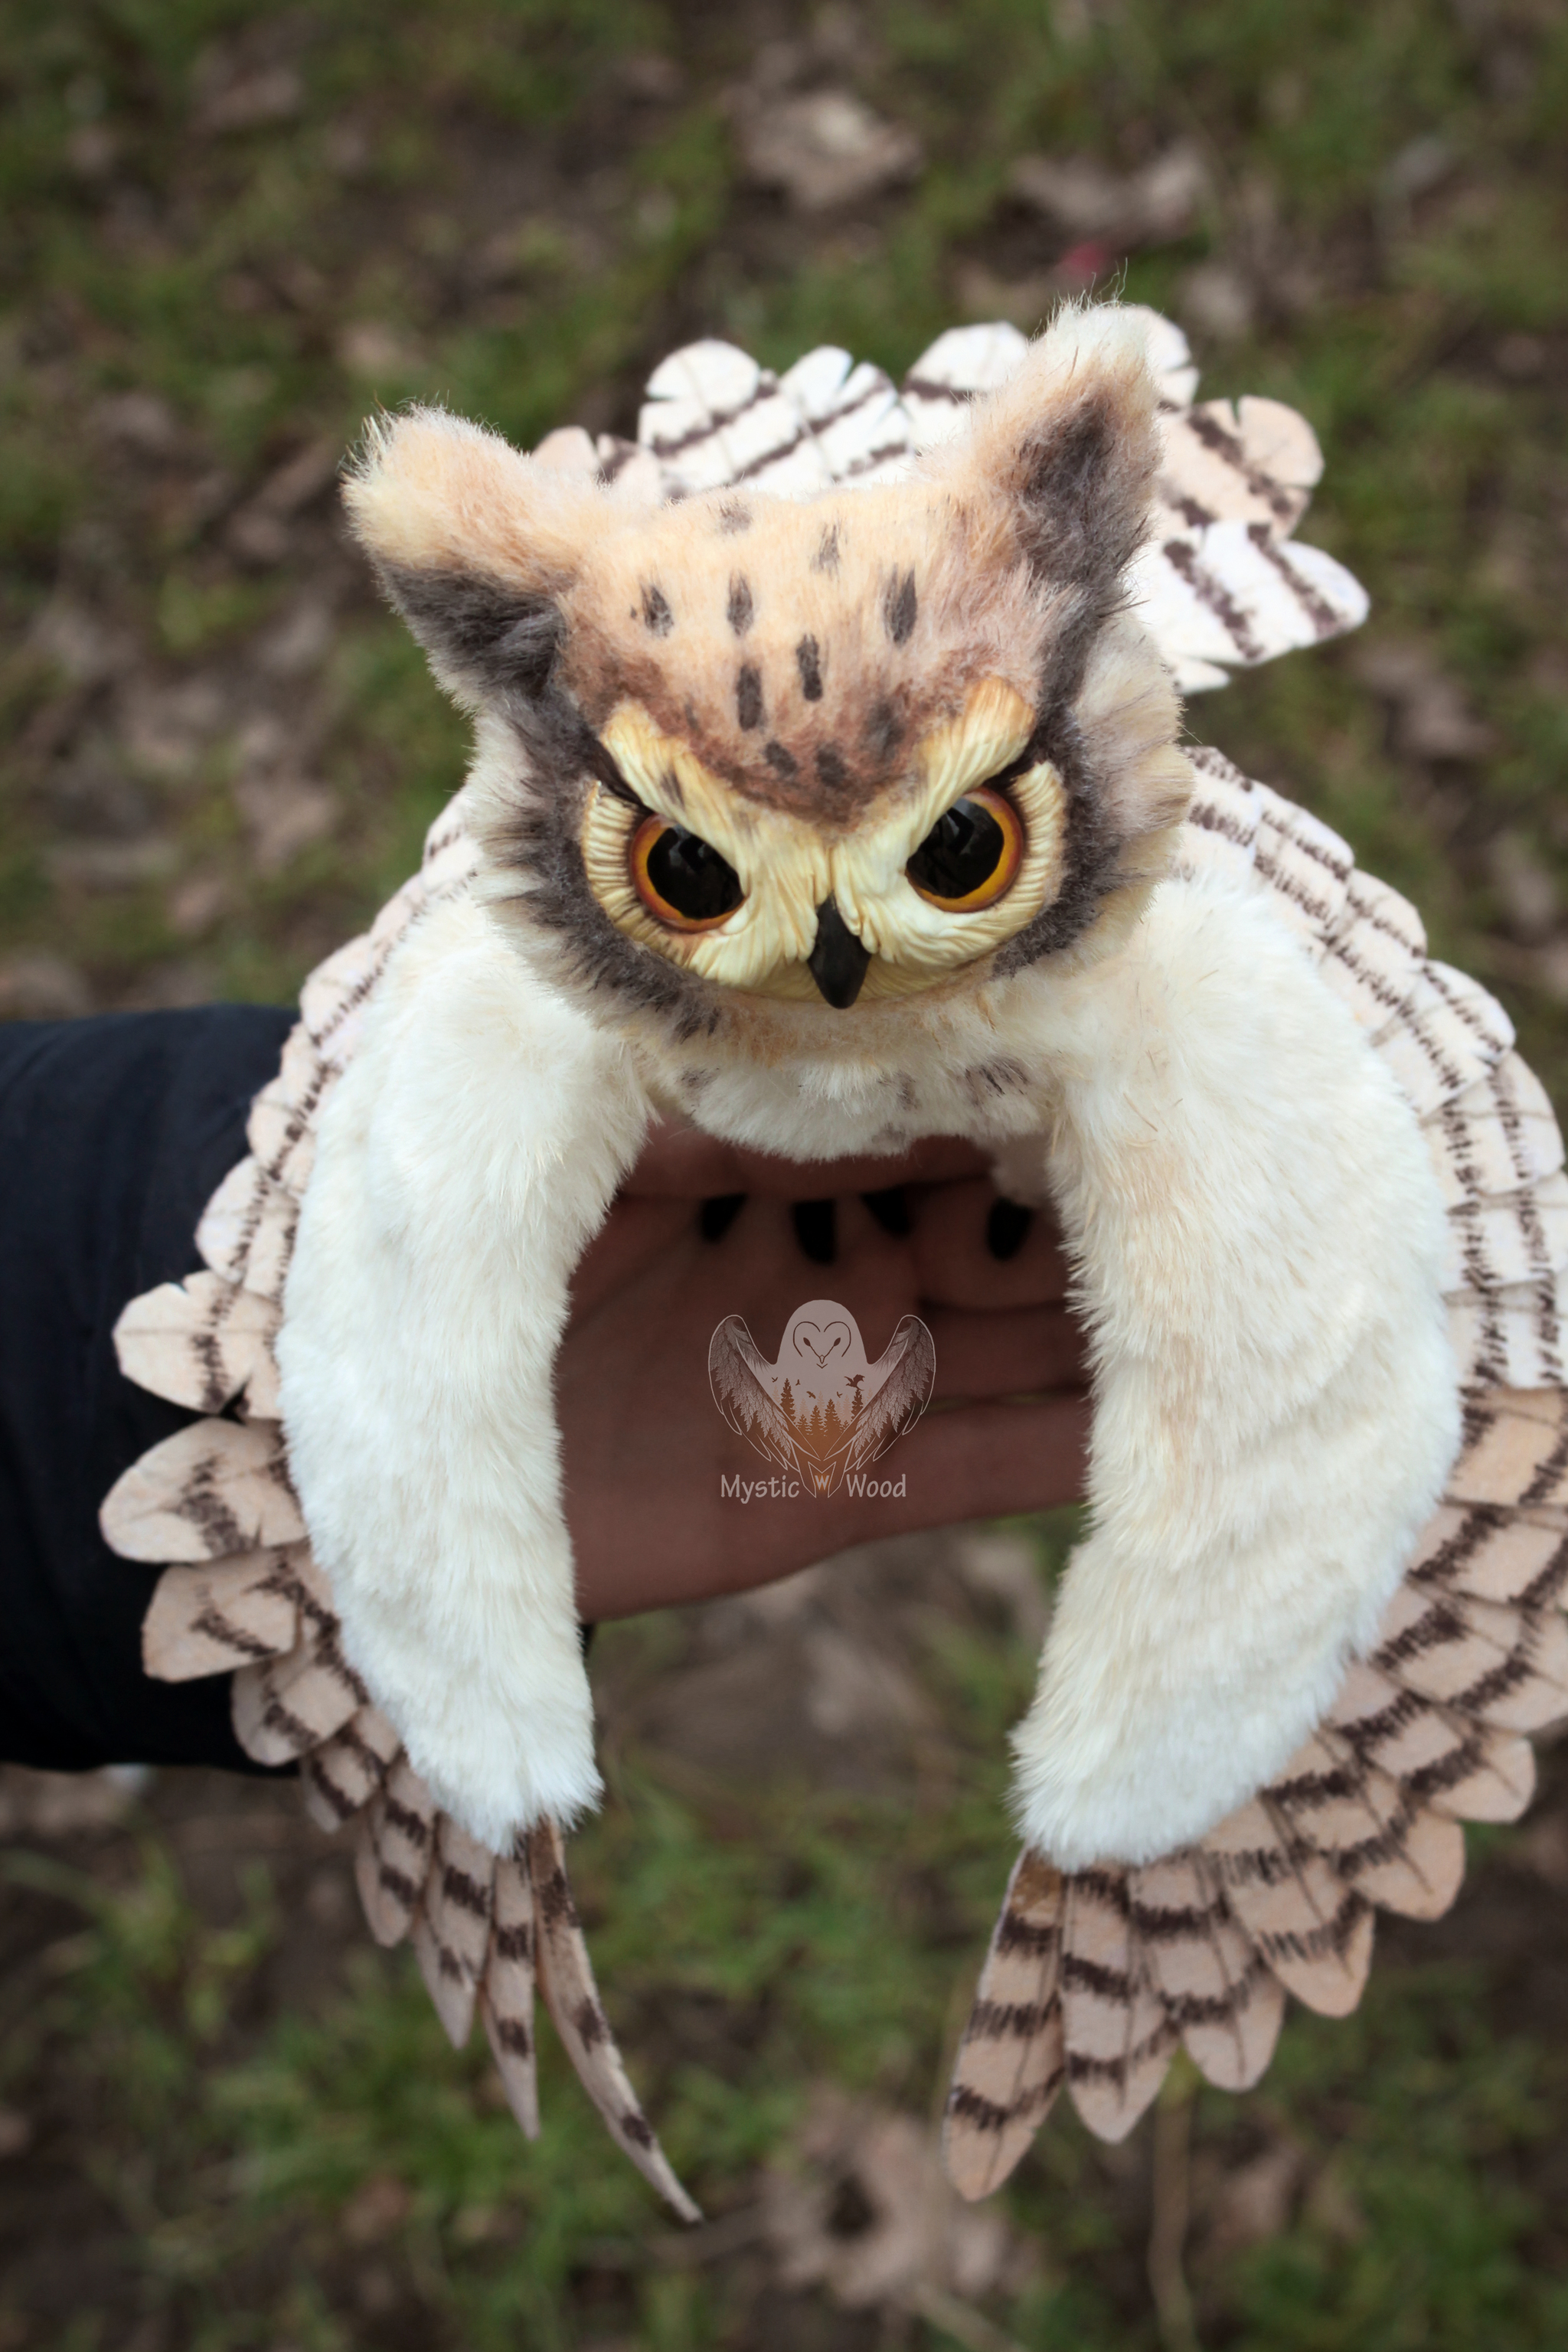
{"x": 226, "y": 232}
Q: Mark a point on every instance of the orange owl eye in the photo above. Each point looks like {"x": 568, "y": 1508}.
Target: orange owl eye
{"x": 971, "y": 854}
{"x": 680, "y": 878}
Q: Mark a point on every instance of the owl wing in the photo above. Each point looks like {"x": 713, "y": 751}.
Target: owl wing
{"x": 713, "y": 417}
{"x": 1094, "y": 1978}
{"x": 736, "y": 1366}
{"x": 241, "y": 1593}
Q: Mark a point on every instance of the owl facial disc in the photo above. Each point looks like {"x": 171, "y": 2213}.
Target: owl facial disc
{"x": 933, "y": 873}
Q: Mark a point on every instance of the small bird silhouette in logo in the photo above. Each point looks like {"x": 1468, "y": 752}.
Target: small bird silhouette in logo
{"x": 823, "y": 1411}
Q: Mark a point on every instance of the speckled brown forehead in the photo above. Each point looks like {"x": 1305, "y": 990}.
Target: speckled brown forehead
{"x": 800, "y": 650}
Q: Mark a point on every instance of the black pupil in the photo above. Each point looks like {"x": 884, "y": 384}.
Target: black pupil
{"x": 961, "y": 852}
{"x": 691, "y": 877}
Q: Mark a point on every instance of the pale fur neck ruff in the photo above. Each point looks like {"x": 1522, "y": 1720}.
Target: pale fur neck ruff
{"x": 1453, "y": 1630}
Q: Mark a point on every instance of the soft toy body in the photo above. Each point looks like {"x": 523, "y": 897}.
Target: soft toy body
{"x": 827, "y": 822}
{"x": 909, "y": 776}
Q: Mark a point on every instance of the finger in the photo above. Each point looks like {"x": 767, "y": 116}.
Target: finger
{"x": 979, "y": 1461}
{"x": 1010, "y": 1351}
{"x": 954, "y": 1241}
{"x": 682, "y": 1162}
{"x": 635, "y": 1234}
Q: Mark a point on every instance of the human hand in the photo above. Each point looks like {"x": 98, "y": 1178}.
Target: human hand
{"x": 644, "y": 1447}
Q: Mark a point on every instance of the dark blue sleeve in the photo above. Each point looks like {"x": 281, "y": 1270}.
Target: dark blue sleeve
{"x": 114, "y": 1132}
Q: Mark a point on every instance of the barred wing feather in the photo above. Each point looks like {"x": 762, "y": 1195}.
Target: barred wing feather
{"x": 1432, "y": 1729}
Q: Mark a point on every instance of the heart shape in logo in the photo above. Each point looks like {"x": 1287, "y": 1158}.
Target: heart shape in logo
{"x": 830, "y": 1340}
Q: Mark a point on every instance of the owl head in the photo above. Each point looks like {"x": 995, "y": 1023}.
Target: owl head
{"x": 758, "y": 759}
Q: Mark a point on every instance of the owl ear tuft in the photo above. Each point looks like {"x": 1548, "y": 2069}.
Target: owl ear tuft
{"x": 474, "y": 544}
{"x": 1070, "y": 443}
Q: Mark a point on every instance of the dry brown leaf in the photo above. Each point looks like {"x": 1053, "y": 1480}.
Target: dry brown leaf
{"x": 1252, "y": 2202}
{"x": 824, "y": 149}
{"x": 1085, "y": 200}
{"x": 866, "y": 2212}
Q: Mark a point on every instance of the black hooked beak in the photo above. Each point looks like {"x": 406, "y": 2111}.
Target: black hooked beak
{"x": 837, "y": 962}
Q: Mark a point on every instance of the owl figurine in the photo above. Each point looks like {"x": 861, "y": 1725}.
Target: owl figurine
{"x": 840, "y": 801}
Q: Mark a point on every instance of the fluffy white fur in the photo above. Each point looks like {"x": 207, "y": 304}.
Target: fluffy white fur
{"x": 464, "y": 1160}
{"x": 1257, "y": 1232}
{"x": 1258, "y": 1235}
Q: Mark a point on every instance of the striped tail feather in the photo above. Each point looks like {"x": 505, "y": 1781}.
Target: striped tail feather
{"x": 340, "y": 1778}
{"x": 1256, "y": 462}
{"x": 292, "y": 1705}
{"x": 1119, "y": 2033}
{"x": 1313, "y": 1930}
{"x": 211, "y": 1491}
{"x": 393, "y": 1858}
{"x": 197, "y": 1342}
{"x": 1396, "y": 1855}
{"x": 1220, "y": 1995}
{"x": 1012, "y": 2062}
{"x": 1461, "y": 1768}
{"x": 506, "y": 1990}
{"x": 962, "y": 363}
{"x": 859, "y": 427}
{"x": 246, "y": 1230}
{"x": 565, "y": 1976}
{"x": 451, "y": 1932}
{"x": 210, "y": 1620}
{"x": 713, "y": 417}
{"x": 1498, "y": 1136}
{"x": 281, "y": 1128}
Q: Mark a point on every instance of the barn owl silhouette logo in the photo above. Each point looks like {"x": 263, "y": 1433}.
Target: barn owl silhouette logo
{"x": 824, "y": 1412}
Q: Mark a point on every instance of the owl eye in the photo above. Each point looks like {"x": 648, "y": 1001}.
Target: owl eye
{"x": 971, "y": 854}
{"x": 680, "y": 878}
